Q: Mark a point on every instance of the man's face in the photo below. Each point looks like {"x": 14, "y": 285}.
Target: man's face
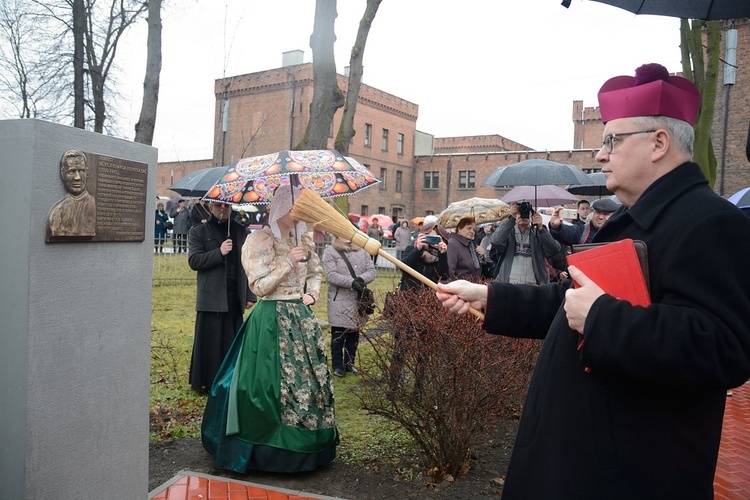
{"x": 583, "y": 210}
{"x": 629, "y": 168}
{"x": 600, "y": 218}
{"x": 523, "y": 224}
{"x": 220, "y": 210}
{"x": 74, "y": 175}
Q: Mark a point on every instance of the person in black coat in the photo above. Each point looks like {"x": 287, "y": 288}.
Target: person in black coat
{"x": 625, "y": 401}
{"x": 430, "y": 260}
{"x": 223, "y": 292}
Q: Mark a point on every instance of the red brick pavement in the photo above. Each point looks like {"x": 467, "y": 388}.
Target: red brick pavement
{"x": 732, "y": 480}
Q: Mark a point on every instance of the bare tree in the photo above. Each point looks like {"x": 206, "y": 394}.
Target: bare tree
{"x": 327, "y": 96}
{"x": 703, "y": 69}
{"x": 356, "y": 69}
{"x": 144, "y": 129}
{"x": 32, "y": 73}
{"x": 105, "y": 25}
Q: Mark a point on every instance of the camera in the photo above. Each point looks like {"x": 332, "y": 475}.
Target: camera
{"x": 524, "y": 209}
{"x": 432, "y": 239}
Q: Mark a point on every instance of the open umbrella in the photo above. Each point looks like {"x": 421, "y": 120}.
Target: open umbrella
{"x": 598, "y": 188}
{"x": 545, "y": 196}
{"x": 536, "y": 172}
{"x": 741, "y": 198}
{"x": 484, "y": 210}
{"x": 707, "y": 10}
{"x": 196, "y": 184}
{"x": 254, "y": 180}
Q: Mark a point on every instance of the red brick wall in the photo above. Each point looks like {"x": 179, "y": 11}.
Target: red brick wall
{"x": 167, "y": 173}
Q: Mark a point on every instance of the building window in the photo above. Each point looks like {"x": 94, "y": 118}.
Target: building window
{"x": 431, "y": 180}
{"x": 399, "y": 180}
{"x": 381, "y": 210}
{"x": 364, "y": 211}
{"x": 384, "y": 144}
{"x": 397, "y": 212}
{"x": 467, "y": 179}
{"x": 368, "y": 135}
{"x": 400, "y": 144}
{"x": 383, "y": 171}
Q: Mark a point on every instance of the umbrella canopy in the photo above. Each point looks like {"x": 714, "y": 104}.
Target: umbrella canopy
{"x": 545, "y": 196}
{"x": 741, "y": 198}
{"x": 383, "y": 220}
{"x": 598, "y": 188}
{"x": 536, "y": 172}
{"x": 707, "y": 10}
{"x": 197, "y": 183}
{"x": 254, "y": 180}
{"x": 484, "y": 210}
{"x": 417, "y": 221}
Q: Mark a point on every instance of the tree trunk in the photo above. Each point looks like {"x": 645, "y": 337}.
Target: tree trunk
{"x": 703, "y": 70}
{"x": 356, "y": 69}
{"x": 79, "y": 95}
{"x": 327, "y": 97}
{"x": 144, "y": 129}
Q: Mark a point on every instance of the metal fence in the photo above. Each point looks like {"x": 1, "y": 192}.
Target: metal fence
{"x": 172, "y": 268}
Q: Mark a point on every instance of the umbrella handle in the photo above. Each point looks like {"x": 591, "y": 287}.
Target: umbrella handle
{"x": 309, "y": 255}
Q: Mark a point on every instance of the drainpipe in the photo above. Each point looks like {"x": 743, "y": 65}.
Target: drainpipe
{"x": 730, "y": 70}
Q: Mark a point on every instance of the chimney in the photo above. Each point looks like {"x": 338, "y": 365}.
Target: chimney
{"x": 292, "y": 58}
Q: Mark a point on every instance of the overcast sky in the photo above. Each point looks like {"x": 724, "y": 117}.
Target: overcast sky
{"x": 474, "y": 67}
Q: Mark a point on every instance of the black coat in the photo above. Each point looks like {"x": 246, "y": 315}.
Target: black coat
{"x": 435, "y": 271}
{"x": 205, "y": 257}
{"x": 645, "y": 422}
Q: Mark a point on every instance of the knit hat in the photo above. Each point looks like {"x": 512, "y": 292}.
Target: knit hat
{"x": 429, "y": 222}
{"x": 651, "y": 92}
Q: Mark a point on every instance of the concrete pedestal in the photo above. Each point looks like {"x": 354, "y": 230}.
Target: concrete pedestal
{"x": 74, "y": 331}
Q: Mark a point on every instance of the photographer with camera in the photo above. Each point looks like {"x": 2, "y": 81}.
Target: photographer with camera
{"x": 581, "y": 233}
{"x": 520, "y": 246}
{"x": 427, "y": 255}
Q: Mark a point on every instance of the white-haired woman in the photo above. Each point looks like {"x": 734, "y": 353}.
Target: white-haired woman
{"x": 271, "y": 405}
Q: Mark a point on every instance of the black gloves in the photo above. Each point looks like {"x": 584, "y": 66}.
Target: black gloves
{"x": 358, "y": 284}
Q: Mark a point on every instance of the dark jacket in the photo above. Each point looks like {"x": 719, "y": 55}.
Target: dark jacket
{"x": 542, "y": 245}
{"x": 436, "y": 271}
{"x": 645, "y": 422}
{"x": 578, "y": 232}
{"x": 205, "y": 257}
{"x": 460, "y": 261}
{"x": 182, "y": 220}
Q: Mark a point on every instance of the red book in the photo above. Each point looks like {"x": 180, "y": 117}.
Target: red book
{"x": 617, "y": 268}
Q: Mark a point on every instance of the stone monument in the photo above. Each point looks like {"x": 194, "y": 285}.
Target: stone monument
{"x": 75, "y": 315}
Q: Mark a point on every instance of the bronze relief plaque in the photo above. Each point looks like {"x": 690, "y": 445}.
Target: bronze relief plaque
{"x": 105, "y": 200}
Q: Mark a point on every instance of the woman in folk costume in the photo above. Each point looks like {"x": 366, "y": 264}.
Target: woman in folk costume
{"x": 271, "y": 405}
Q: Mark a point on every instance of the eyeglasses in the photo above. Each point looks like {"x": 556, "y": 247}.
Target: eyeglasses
{"x": 608, "y": 144}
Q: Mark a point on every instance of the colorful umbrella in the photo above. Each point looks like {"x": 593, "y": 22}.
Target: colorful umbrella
{"x": 254, "y": 180}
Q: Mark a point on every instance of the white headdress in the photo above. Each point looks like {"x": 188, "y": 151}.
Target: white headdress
{"x": 280, "y": 205}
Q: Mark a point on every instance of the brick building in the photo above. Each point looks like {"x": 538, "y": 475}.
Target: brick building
{"x": 268, "y": 111}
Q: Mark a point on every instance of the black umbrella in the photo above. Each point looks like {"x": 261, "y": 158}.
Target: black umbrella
{"x": 536, "y": 172}
{"x": 707, "y": 10}
{"x": 598, "y": 188}
{"x": 197, "y": 184}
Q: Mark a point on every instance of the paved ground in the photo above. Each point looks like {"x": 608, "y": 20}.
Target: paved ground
{"x": 732, "y": 481}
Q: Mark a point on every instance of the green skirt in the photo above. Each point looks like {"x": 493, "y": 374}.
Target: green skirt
{"x": 270, "y": 407}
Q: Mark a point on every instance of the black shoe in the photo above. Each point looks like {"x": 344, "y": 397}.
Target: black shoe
{"x": 338, "y": 372}
{"x": 353, "y": 370}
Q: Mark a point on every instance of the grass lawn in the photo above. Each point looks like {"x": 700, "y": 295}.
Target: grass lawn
{"x": 176, "y": 411}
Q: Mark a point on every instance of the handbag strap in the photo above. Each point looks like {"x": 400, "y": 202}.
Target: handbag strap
{"x": 348, "y": 264}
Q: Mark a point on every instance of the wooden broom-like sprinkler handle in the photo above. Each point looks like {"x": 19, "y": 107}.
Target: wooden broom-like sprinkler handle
{"x": 373, "y": 246}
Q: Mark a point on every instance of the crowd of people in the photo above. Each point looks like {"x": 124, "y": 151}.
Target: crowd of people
{"x": 625, "y": 402}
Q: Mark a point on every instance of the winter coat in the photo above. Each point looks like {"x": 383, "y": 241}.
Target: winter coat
{"x": 645, "y": 420}
{"x": 182, "y": 220}
{"x": 573, "y": 234}
{"x": 342, "y": 299}
{"x": 160, "y": 217}
{"x": 503, "y": 242}
{"x": 205, "y": 257}
{"x": 402, "y": 235}
{"x": 460, "y": 262}
{"x": 434, "y": 271}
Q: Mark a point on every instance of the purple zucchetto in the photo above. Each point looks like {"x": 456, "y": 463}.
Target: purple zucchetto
{"x": 651, "y": 92}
